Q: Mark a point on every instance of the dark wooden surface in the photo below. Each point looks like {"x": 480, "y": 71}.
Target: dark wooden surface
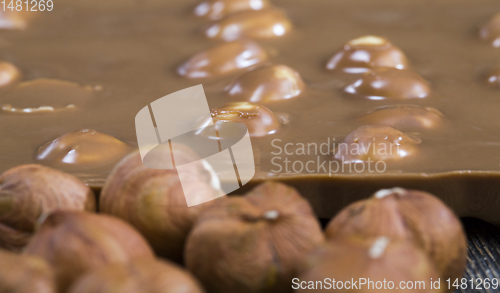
{"x": 484, "y": 253}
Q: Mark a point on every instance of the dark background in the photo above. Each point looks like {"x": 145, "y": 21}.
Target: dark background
{"x": 484, "y": 252}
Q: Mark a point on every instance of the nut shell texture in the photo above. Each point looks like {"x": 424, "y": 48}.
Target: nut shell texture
{"x": 29, "y": 191}
{"x": 254, "y": 243}
{"x": 347, "y": 259}
{"x": 407, "y": 215}
{"x": 25, "y": 274}
{"x": 76, "y": 242}
{"x": 141, "y": 275}
{"x": 153, "y": 201}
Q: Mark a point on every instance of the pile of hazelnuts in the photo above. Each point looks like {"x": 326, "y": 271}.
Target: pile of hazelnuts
{"x": 139, "y": 235}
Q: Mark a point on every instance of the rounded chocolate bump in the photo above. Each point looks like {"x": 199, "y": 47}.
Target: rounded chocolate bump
{"x": 261, "y": 24}
{"x": 82, "y": 149}
{"x": 223, "y": 59}
{"x": 361, "y": 54}
{"x": 14, "y": 20}
{"x": 493, "y": 77}
{"x": 259, "y": 120}
{"x": 490, "y": 32}
{"x": 376, "y": 143}
{"x": 217, "y": 9}
{"x": 268, "y": 84}
{"x": 389, "y": 83}
{"x": 45, "y": 95}
{"x": 405, "y": 117}
{"x": 9, "y": 74}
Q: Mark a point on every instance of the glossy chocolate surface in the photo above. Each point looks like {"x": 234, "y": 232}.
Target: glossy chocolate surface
{"x": 114, "y": 57}
{"x": 376, "y": 143}
{"x": 217, "y": 9}
{"x": 367, "y": 52}
{"x": 405, "y": 117}
{"x": 268, "y": 84}
{"x": 259, "y": 120}
{"x": 258, "y": 24}
{"x": 389, "y": 83}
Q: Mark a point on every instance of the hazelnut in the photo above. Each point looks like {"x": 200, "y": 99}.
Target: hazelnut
{"x": 45, "y": 96}
{"x": 382, "y": 261}
{"x": 405, "y": 117}
{"x": 25, "y": 274}
{"x": 76, "y": 242}
{"x": 139, "y": 275}
{"x": 82, "y": 149}
{"x": 376, "y": 143}
{"x": 268, "y": 84}
{"x": 367, "y": 52}
{"x": 261, "y": 24}
{"x": 407, "y": 215}
{"x": 28, "y": 191}
{"x": 259, "y": 120}
{"x": 153, "y": 200}
{"x": 490, "y": 32}
{"x": 389, "y": 83}
{"x": 224, "y": 59}
{"x": 9, "y": 74}
{"x": 217, "y": 9}
{"x": 254, "y": 243}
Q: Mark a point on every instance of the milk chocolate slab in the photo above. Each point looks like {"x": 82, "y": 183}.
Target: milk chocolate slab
{"x": 128, "y": 54}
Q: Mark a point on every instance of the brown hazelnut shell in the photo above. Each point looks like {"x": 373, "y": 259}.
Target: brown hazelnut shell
{"x": 25, "y": 274}
{"x": 254, "y": 243}
{"x": 407, "y": 215}
{"x": 76, "y": 242}
{"x": 29, "y": 191}
{"x": 153, "y": 201}
{"x": 140, "y": 275}
{"x": 378, "y": 259}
